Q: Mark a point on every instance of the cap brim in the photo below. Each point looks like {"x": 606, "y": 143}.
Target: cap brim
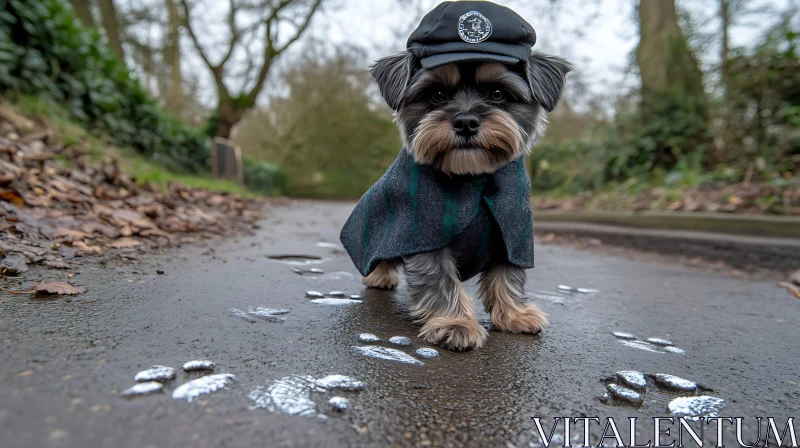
{"x": 439, "y": 60}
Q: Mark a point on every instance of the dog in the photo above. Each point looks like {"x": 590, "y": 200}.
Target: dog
{"x": 465, "y": 126}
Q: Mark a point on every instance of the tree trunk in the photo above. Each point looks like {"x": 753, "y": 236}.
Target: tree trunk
{"x": 230, "y": 113}
{"x": 175, "y": 98}
{"x": 112, "y": 28}
{"x": 674, "y": 106}
{"x": 723, "y": 146}
{"x": 83, "y": 11}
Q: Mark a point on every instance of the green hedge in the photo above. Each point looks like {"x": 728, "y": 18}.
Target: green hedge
{"x": 263, "y": 177}
{"x": 45, "y": 50}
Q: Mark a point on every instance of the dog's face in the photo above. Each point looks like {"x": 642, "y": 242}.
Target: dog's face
{"x": 470, "y": 118}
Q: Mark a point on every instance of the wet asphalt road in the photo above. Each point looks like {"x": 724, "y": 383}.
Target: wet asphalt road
{"x": 64, "y": 363}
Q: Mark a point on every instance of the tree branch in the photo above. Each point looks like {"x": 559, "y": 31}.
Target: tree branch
{"x": 270, "y": 51}
{"x": 188, "y": 24}
{"x": 302, "y": 28}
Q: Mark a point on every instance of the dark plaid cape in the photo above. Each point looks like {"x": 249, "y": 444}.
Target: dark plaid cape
{"x": 416, "y": 208}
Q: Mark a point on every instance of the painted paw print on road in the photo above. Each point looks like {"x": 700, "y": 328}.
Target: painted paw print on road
{"x": 154, "y": 379}
{"x": 652, "y": 345}
{"x": 333, "y": 298}
{"x": 391, "y": 354}
{"x": 629, "y": 387}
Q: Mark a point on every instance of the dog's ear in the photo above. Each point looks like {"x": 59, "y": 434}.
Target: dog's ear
{"x": 546, "y": 76}
{"x": 393, "y": 73}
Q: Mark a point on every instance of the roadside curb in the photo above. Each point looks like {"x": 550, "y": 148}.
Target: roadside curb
{"x": 738, "y": 251}
{"x": 748, "y": 225}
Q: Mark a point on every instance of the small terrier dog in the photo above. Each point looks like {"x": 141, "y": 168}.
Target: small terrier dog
{"x": 463, "y": 123}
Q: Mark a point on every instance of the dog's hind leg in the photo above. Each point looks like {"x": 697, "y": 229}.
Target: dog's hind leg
{"x": 441, "y": 305}
{"x": 384, "y": 276}
{"x": 502, "y": 288}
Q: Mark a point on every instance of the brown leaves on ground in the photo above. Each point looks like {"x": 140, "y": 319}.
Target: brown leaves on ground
{"x": 59, "y": 288}
{"x": 52, "y": 215}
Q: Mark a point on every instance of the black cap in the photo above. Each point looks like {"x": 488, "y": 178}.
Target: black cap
{"x": 464, "y": 31}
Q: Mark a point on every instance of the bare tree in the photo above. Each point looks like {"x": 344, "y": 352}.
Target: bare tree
{"x": 83, "y": 10}
{"x": 282, "y": 23}
{"x": 108, "y": 13}
{"x": 172, "y": 57}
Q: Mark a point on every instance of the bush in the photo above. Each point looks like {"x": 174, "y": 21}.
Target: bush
{"x": 263, "y": 177}
{"x": 326, "y": 133}
{"x": 45, "y": 50}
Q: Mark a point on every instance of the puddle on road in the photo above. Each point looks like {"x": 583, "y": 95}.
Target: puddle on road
{"x": 292, "y": 394}
{"x": 341, "y": 294}
{"x": 659, "y": 341}
{"x": 388, "y": 354}
{"x": 155, "y": 373}
{"x": 145, "y": 388}
{"x": 674, "y": 382}
{"x": 203, "y": 385}
{"x": 631, "y": 378}
{"x": 400, "y": 340}
{"x": 695, "y": 407}
{"x": 314, "y": 294}
{"x": 199, "y": 365}
{"x": 330, "y": 245}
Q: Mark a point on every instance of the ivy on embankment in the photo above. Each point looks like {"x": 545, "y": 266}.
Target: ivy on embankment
{"x": 45, "y": 50}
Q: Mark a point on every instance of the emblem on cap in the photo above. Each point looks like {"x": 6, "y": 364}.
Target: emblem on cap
{"x": 474, "y": 27}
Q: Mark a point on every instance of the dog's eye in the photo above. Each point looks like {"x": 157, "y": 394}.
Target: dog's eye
{"x": 497, "y": 95}
{"x": 438, "y": 97}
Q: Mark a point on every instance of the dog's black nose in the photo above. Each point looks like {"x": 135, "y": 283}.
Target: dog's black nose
{"x": 466, "y": 124}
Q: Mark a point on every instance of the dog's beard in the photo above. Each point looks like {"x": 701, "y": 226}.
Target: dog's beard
{"x": 499, "y": 141}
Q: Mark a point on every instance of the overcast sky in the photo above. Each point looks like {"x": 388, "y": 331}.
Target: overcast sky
{"x": 598, "y": 36}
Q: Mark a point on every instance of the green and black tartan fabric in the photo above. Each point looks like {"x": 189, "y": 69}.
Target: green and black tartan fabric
{"x": 416, "y": 208}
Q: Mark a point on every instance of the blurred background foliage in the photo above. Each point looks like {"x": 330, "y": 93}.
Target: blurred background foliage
{"x": 702, "y": 111}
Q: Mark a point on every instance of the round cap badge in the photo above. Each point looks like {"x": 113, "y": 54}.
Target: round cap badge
{"x": 474, "y": 27}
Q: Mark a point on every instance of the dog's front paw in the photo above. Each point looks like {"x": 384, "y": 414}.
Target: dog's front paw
{"x": 381, "y": 278}
{"x": 519, "y": 319}
{"x": 457, "y": 334}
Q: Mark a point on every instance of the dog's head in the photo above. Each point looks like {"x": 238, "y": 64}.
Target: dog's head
{"x": 470, "y": 118}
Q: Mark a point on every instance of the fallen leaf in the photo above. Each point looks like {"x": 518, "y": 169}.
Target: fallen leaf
{"x": 57, "y": 264}
{"x": 59, "y": 288}
{"x": 14, "y": 264}
{"x": 14, "y": 198}
{"x": 126, "y": 243}
{"x": 83, "y": 247}
{"x": 28, "y": 372}
{"x": 74, "y": 234}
